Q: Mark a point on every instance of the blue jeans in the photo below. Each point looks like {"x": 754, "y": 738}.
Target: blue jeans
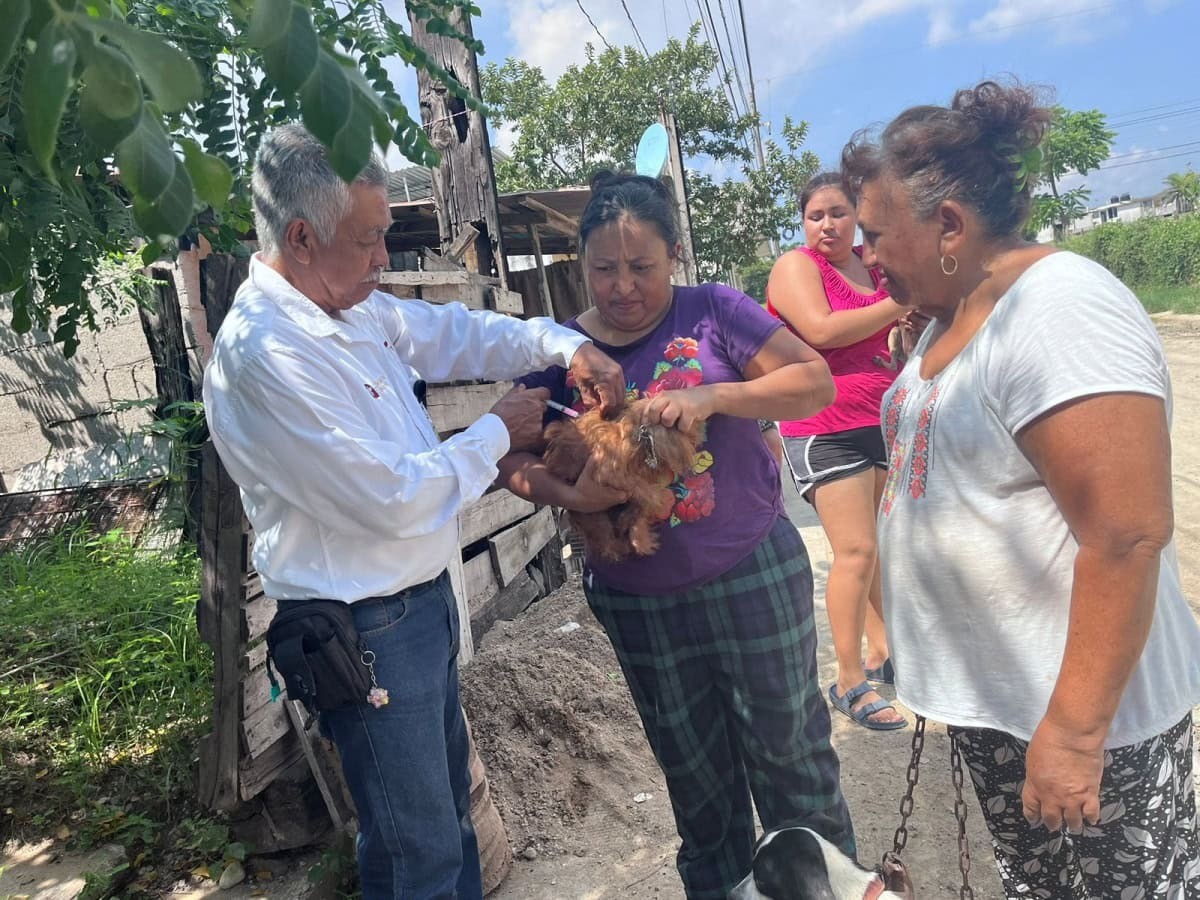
{"x": 406, "y": 764}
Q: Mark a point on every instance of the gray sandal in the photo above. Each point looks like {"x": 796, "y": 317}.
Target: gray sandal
{"x": 862, "y": 716}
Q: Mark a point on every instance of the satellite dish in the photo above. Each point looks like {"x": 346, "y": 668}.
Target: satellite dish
{"x": 652, "y": 151}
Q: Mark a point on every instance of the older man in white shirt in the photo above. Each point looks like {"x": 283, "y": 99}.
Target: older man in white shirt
{"x": 310, "y": 401}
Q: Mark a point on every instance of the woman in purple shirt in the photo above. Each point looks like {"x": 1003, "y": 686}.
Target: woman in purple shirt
{"x": 714, "y": 631}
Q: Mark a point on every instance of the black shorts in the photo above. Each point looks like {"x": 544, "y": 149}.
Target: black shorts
{"x": 821, "y": 458}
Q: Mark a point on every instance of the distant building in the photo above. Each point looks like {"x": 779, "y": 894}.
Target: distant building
{"x": 1123, "y": 208}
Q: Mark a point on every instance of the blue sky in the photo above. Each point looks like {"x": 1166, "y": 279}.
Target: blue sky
{"x": 865, "y": 61}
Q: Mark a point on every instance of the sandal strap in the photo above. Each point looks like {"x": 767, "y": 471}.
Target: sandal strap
{"x": 856, "y": 692}
{"x": 865, "y": 712}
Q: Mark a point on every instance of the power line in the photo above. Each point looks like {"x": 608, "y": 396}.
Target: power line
{"x": 579, "y": 3}
{"x": 1150, "y": 159}
{"x": 636, "y": 33}
{"x": 1158, "y": 117}
{"x": 1146, "y": 109}
{"x": 1189, "y": 144}
{"x": 737, "y": 74}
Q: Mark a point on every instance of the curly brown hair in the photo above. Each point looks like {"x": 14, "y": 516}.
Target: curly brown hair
{"x": 971, "y": 151}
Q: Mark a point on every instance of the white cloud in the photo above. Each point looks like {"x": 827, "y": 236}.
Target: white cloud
{"x": 1068, "y": 21}
{"x": 552, "y": 34}
{"x": 941, "y": 27}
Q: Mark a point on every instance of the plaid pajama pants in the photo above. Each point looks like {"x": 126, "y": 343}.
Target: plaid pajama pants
{"x": 1144, "y": 846}
{"x": 724, "y": 677}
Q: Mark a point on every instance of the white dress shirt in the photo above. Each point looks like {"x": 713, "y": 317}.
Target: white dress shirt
{"x": 342, "y": 475}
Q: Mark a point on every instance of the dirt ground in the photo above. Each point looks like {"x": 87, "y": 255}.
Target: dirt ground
{"x": 583, "y": 801}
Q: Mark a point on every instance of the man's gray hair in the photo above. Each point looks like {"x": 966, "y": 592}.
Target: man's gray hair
{"x": 294, "y": 180}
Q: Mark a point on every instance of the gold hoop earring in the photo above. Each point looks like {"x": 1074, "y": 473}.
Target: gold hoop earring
{"x": 954, "y": 260}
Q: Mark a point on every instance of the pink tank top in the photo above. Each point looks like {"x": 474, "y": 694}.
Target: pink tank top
{"x": 859, "y": 370}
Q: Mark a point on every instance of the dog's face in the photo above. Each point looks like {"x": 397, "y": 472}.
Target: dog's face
{"x": 799, "y": 864}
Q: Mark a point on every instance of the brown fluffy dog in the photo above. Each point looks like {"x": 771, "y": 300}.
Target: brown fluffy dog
{"x": 640, "y": 461}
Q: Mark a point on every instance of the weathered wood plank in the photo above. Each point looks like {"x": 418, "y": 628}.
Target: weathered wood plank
{"x": 254, "y": 657}
{"x": 507, "y": 604}
{"x": 491, "y": 512}
{"x": 473, "y": 295}
{"x": 256, "y": 691}
{"x": 219, "y": 613}
{"x": 466, "y": 647}
{"x": 512, "y": 548}
{"x": 255, "y": 775}
{"x": 257, "y": 617}
{"x": 507, "y": 301}
{"x": 481, "y": 583}
{"x": 264, "y": 727}
{"x": 419, "y": 279}
{"x": 454, "y": 407}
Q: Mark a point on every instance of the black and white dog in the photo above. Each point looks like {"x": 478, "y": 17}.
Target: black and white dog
{"x": 798, "y": 864}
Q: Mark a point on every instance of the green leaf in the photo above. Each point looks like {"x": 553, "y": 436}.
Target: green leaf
{"x": 110, "y": 102}
{"x": 21, "y": 322}
{"x": 152, "y": 252}
{"x": 145, "y": 159}
{"x": 14, "y": 260}
{"x": 171, "y": 77}
{"x": 325, "y": 100}
{"x": 14, "y": 14}
{"x": 210, "y": 176}
{"x": 47, "y": 85}
{"x": 269, "y": 21}
{"x": 168, "y": 215}
{"x": 290, "y": 60}
{"x": 351, "y": 150}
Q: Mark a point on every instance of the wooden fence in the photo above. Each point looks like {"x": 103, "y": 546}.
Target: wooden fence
{"x": 261, "y": 764}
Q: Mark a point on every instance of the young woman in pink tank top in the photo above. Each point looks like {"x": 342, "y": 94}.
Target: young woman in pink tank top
{"x": 826, "y": 294}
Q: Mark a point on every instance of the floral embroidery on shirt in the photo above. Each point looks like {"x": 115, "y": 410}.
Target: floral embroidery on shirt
{"x": 897, "y": 455}
{"x": 891, "y": 419}
{"x": 908, "y": 465}
{"x": 919, "y": 468}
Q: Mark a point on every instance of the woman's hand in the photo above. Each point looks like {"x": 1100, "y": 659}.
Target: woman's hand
{"x": 1062, "y": 778}
{"x": 589, "y": 495}
{"x": 680, "y": 409}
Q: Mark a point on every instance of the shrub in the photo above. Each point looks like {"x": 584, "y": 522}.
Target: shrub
{"x": 1148, "y": 252}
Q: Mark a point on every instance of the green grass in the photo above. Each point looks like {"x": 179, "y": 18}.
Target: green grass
{"x": 105, "y": 688}
{"x": 1185, "y": 299}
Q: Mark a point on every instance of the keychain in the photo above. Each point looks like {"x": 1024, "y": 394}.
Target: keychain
{"x": 377, "y": 696}
{"x": 646, "y": 436}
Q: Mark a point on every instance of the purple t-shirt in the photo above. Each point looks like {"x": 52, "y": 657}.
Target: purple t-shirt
{"x": 726, "y": 506}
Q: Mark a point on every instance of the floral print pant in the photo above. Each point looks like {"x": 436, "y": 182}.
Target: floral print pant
{"x": 1144, "y": 846}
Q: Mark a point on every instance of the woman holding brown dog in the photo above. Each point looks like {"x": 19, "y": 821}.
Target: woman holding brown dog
{"x": 714, "y": 631}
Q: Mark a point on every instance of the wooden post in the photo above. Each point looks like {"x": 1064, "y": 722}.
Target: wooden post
{"x": 687, "y": 264}
{"x": 162, "y": 323}
{"x": 464, "y": 185}
{"x": 543, "y": 284}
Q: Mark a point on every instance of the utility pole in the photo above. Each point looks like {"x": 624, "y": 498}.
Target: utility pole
{"x": 464, "y": 185}
{"x": 685, "y": 268}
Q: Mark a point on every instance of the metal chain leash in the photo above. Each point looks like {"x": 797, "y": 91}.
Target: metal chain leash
{"x": 960, "y": 813}
{"x": 891, "y": 859}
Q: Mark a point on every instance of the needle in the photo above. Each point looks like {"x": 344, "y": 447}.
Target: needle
{"x": 565, "y": 410}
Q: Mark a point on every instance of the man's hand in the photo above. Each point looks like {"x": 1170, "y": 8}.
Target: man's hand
{"x": 680, "y": 409}
{"x": 1062, "y": 778}
{"x": 522, "y": 412}
{"x": 589, "y": 495}
{"x": 599, "y": 378}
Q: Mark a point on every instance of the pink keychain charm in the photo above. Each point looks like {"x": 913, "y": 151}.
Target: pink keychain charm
{"x": 376, "y": 696}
